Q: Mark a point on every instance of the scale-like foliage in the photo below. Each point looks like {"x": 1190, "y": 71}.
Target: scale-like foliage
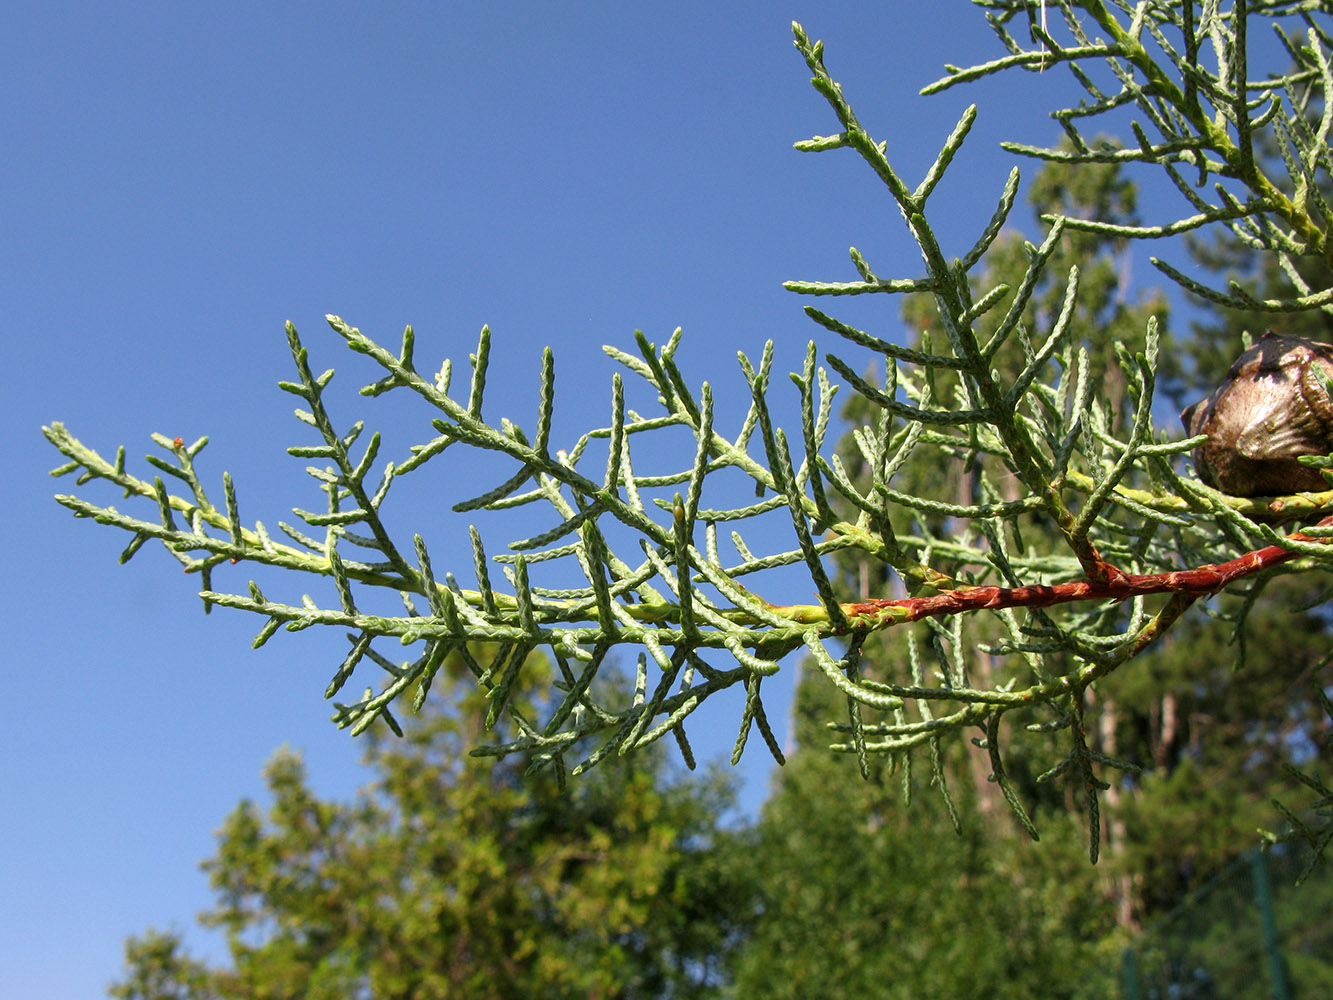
{"x": 1006, "y": 399}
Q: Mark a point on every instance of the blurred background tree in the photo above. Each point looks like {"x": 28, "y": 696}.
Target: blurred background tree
{"x": 459, "y": 876}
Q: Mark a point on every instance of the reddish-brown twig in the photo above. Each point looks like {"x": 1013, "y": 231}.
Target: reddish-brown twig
{"x": 1117, "y": 586}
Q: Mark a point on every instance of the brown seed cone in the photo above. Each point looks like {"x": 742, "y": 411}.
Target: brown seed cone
{"x": 1270, "y": 409}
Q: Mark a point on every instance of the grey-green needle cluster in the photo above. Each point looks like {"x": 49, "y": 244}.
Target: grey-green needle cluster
{"x": 1062, "y": 484}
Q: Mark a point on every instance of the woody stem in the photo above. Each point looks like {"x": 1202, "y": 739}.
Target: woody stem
{"x": 1117, "y": 586}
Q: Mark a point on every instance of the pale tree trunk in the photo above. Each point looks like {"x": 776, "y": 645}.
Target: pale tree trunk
{"x": 1113, "y": 826}
{"x": 1168, "y": 726}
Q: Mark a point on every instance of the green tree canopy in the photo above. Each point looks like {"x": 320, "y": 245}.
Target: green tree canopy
{"x": 457, "y": 876}
{"x": 864, "y": 895}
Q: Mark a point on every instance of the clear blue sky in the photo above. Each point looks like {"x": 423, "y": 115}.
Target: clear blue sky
{"x": 179, "y": 179}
